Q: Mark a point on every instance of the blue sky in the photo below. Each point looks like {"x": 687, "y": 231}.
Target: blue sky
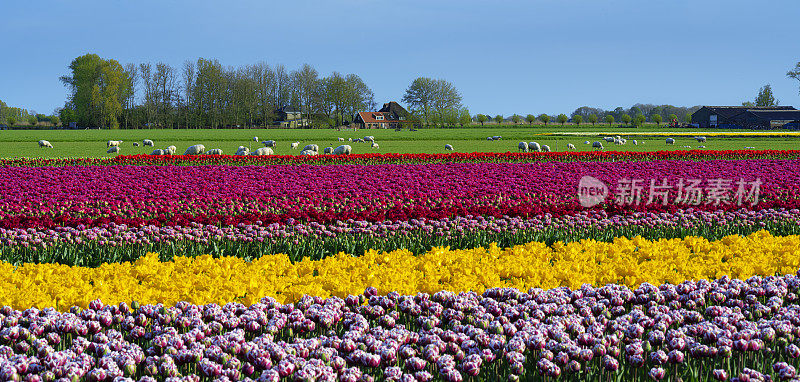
{"x": 505, "y": 57}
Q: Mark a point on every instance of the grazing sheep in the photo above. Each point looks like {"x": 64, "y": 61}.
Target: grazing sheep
{"x": 618, "y": 142}
{"x": 635, "y": 142}
{"x": 670, "y": 141}
{"x": 523, "y": 146}
{"x": 545, "y": 148}
{"x": 585, "y": 142}
{"x": 255, "y": 139}
{"x": 375, "y": 145}
{"x": 489, "y": 138}
{"x": 701, "y": 147}
{"x": 534, "y": 146}
{"x": 497, "y": 138}
{"x": 170, "y": 150}
{"x": 314, "y": 148}
{"x": 328, "y": 150}
{"x": 617, "y": 137}
{"x": 340, "y": 139}
{"x": 195, "y": 150}
{"x": 700, "y": 139}
{"x": 113, "y": 143}
{"x": 349, "y": 139}
{"x": 448, "y": 147}
{"x": 597, "y": 145}
{"x": 687, "y": 147}
{"x": 135, "y": 144}
{"x": 243, "y": 151}
{"x": 214, "y": 152}
{"x": 44, "y": 143}
{"x": 369, "y": 138}
{"x": 343, "y": 150}
{"x": 294, "y": 145}
{"x": 359, "y": 140}
{"x": 147, "y": 142}
{"x": 158, "y": 152}
{"x": 262, "y": 151}
{"x": 609, "y": 139}
{"x": 113, "y": 149}
{"x": 308, "y": 152}
{"x": 269, "y": 143}
{"x": 570, "y": 146}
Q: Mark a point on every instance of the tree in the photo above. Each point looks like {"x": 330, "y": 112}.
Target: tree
{"x": 562, "y": 119}
{"x": 482, "y": 119}
{"x": 639, "y": 120}
{"x": 609, "y": 119}
{"x": 657, "y": 119}
{"x": 306, "y": 80}
{"x": 795, "y": 73}
{"x": 577, "y": 119}
{"x": 593, "y": 119}
{"x": 530, "y": 118}
{"x": 687, "y": 118}
{"x": 749, "y": 104}
{"x": 626, "y": 119}
{"x": 420, "y": 95}
{"x": 32, "y": 120}
{"x": 673, "y": 117}
{"x": 544, "y": 118}
{"x": 11, "y": 120}
{"x": 54, "y": 120}
{"x": 464, "y": 118}
{"x": 499, "y": 119}
{"x": 765, "y": 97}
{"x": 515, "y": 118}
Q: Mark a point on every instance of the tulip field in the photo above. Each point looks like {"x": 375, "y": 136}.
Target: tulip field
{"x": 564, "y": 266}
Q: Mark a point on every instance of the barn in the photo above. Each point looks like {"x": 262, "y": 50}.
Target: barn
{"x": 747, "y": 117}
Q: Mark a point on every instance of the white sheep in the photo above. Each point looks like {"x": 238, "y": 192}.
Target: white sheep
{"x": 311, "y": 147}
{"x": 369, "y": 138}
{"x": 448, "y": 147}
{"x": 586, "y": 142}
{"x": 343, "y": 150}
{"x": 523, "y": 146}
{"x": 570, "y": 146}
{"x": 497, "y": 138}
{"x": 687, "y": 147}
{"x": 635, "y": 142}
{"x": 700, "y": 139}
{"x": 135, "y": 144}
{"x": 617, "y": 137}
{"x": 195, "y": 150}
{"x": 701, "y": 147}
{"x": 269, "y": 143}
{"x": 113, "y": 149}
{"x": 670, "y": 141}
{"x": 340, "y": 139}
{"x": 308, "y": 152}
{"x": 146, "y": 142}
{"x": 262, "y": 151}
{"x": 243, "y": 151}
{"x": 609, "y": 139}
{"x": 545, "y": 148}
{"x": 170, "y": 150}
{"x": 158, "y": 152}
{"x": 375, "y": 145}
{"x": 597, "y": 145}
{"x": 534, "y": 146}
{"x": 255, "y": 139}
{"x": 113, "y": 143}
{"x": 328, "y": 150}
{"x": 489, "y": 138}
{"x": 349, "y": 139}
{"x": 294, "y": 145}
{"x": 214, "y": 152}
{"x": 44, "y": 143}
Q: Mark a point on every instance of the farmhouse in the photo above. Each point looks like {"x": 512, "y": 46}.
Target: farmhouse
{"x": 749, "y": 117}
{"x": 290, "y": 117}
{"x": 390, "y": 116}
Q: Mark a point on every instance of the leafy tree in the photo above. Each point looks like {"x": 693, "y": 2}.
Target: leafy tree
{"x": 672, "y": 117}
{"x": 657, "y": 119}
{"x": 577, "y": 119}
{"x": 795, "y": 73}
{"x": 32, "y": 120}
{"x": 609, "y": 119}
{"x": 687, "y": 118}
{"x": 562, "y": 119}
{"x": 639, "y": 120}
{"x": 482, "y": 119}
{"x": 66, "y": 115}
{"x": 515, "y": 118}
{"x": 431, "y": 96}
{"x": 499, "y": 119}
{"x": 54, "y": 120}
{"x": 11, "y": 120}
{"x": 464, "y": 118}
{"x": 530, "y": 118}
{"x": 593, "y": 119}
{"x": 626, "y": 119}
{"x": 765, "y": 97}
{"x": 544, "y": 118}
{"x": 97, "y": 89}
{"x": 749, "y": 104}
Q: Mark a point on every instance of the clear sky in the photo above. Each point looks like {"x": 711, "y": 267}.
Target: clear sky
{"x": 534, "y": 56}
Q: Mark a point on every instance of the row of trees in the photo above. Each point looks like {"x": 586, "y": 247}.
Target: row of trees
{"x": 11, "y": 116}
{"x": 636, "y": 120}
{"x": 205, "y": 94}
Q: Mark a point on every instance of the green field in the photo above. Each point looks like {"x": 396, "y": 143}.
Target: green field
{"x": 92, "y": 143}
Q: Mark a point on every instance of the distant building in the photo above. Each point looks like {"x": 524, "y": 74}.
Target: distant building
{"x": 390, "y": 116}
{"x": 747, "y": 117}
{"x": 291, "y": 117}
